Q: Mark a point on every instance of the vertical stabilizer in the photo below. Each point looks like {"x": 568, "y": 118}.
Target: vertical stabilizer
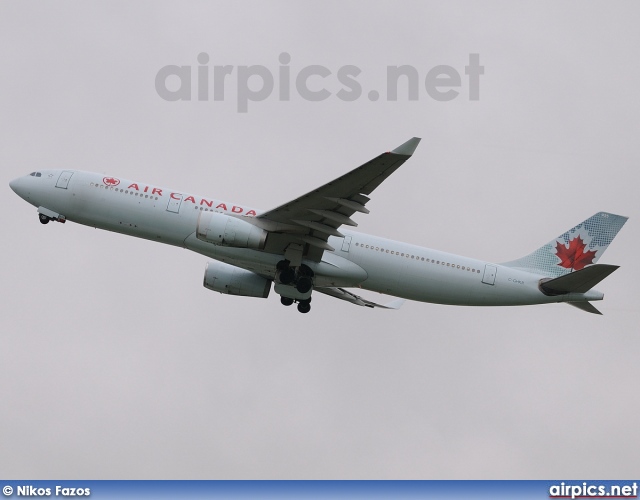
{"x": 579, "y": 247}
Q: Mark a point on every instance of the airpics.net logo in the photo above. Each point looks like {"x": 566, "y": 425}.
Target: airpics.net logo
{"x": 589, "y": 490}
{"x": 314, "y": 82}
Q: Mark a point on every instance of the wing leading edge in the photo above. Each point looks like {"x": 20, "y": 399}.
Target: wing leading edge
{"x": 310, "y": 219}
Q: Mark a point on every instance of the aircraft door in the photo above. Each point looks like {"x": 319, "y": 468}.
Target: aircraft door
{"x": 346, "y": 243}
{"x": 63, "y": 180}
{"x": 489, "y": 274}
{"x": 175, "y": 200}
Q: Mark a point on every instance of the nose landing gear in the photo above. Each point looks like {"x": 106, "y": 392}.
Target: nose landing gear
{"x": 45, "y": 215}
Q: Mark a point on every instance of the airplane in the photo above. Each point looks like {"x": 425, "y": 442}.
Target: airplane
{"x": 305, "y": 246}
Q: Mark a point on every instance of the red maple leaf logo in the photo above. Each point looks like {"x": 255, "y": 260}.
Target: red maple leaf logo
{"x": 111, "y": 181}
{"x": 574, "y": 257}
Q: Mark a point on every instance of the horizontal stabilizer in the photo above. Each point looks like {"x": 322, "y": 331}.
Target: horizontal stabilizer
{"x": 585, "y": 306}
{"x": 578, "y": 281}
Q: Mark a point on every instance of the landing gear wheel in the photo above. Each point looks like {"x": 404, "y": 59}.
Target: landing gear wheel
{"x": 304, "y": 307}
{"x": 304, "y": 284}
{"x": 282, "y": 265}
{"x": 305, "y": 270}
{"x": 286, "y": 301}
{"x": 287, "y": 276}
{"x": 43, "y": 219}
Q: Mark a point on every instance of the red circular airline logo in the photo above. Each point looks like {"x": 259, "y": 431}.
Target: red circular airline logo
{"x": 111, "y": 181}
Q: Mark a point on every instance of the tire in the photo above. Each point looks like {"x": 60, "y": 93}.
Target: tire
{"x": 43, "y": 219}
{"x": 286, "y": 301}
{"x": 304, "y": 307}
{"x": 282, "y": 265}
{"x": 304, "y": 284}
{"x": 305, "y": 270}
{"x": 287, "y": 276}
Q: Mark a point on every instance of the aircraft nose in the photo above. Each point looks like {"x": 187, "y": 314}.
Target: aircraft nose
{"x": 15, "y": 185}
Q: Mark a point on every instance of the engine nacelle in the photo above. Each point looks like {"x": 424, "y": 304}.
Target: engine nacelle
{"x": 224, "y": 278}
{"x": 221, "y": 229}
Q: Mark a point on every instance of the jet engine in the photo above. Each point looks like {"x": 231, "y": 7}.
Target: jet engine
{"x": 221, "y": 229}
{"x": 224, "y": 278}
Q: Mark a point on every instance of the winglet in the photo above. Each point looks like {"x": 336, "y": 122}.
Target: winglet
{"x": 408, "y": 147}
{"x": 394, "y": 304}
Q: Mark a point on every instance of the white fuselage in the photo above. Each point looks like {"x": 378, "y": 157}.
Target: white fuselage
{"x": 359, "y": 260}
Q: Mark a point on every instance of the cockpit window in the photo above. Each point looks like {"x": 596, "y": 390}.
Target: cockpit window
{"x": 36, "y": 174}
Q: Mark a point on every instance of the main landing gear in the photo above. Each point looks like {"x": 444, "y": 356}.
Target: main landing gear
{"x": 286, "y": 301}
{"x": 300, "y": 280}
{"x": 300, "y": 277}
{"x": 304, "y": 306}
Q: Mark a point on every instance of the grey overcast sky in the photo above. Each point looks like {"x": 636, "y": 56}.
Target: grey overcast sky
{"x": 115, "y": 362}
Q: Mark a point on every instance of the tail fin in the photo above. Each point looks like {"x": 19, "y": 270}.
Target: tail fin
{"x": 580, "y": 246}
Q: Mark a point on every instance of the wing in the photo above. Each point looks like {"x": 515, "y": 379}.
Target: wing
{"x": 341, "y": 293}
{"x": 310, "y": 219}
